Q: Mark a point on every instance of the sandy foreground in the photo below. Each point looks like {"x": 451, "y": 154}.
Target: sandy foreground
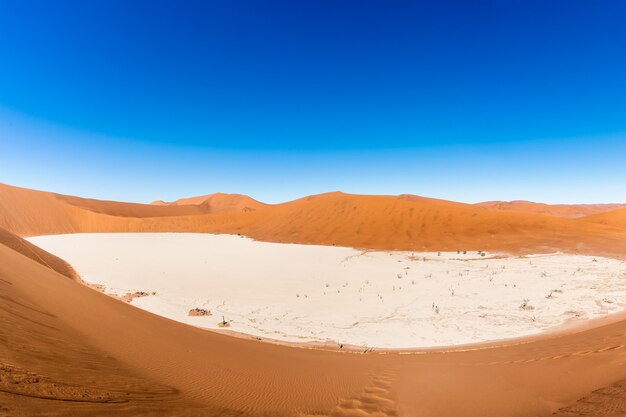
{"x": 68, "y": 350}
{"x": 325, "y": 294}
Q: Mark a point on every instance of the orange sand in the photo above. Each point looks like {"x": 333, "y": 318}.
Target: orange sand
{"x": 559, "y": 210}
{"x": 615, "y": 218}
{"x": 378, "y": 222}
{"x": 217, "y": 202}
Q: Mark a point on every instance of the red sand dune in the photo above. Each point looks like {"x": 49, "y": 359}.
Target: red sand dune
{"x": 114, "y": 208}
{"x": 390, "y": 222}
{"x": 217, "y": 202}
{"x": 615, "y": 218}
{"x": 378, "y": 222}
{"x": 69, "y": 350}
{"x": 29, "y": 212}
{"x": 559, "y": 210}
{"x": 37, "y": 254}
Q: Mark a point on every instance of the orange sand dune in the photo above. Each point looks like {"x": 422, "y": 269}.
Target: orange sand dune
{"x": 379, "y": 222}
{"x": 616, "y": 218}
{"x": 37, "y": 254}
{"x": 29, "y": 212}
{"x": 559, "y": 210}
{"x": 125, "y": 361}
{"x": 217, "y": 202}
{"x": 390, "y": 222}
{"x": 114, "y": 208}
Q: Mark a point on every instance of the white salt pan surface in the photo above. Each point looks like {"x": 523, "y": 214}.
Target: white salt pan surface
{"x": 306, "y": 293}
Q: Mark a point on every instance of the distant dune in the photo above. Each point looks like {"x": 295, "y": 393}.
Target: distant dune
{"x": 37, "y": 254}
{"x": 402, "y": 222}
{"x": 29, "y": 212}
{"x": 160, "y": 203}
{"x": 412, "y": 223}
{"x": 615, "y": 218}
{"x": 560, "y": 210}
{"x": 217, "y": 202}
{"x": 114, "y": 208}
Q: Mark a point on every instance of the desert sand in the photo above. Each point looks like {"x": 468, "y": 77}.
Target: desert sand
{"x": 70, "y": 350}
{"x": 560, "y": 210}
{"x": 404, "y": 222}
{"x": 326, "y": 294}
{"x": 616, "y": 218}
{"x": 217, "y": 202}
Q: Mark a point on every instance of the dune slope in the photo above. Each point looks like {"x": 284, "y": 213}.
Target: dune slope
{"x": 559, "y": 210}
{"x": 29, "y": 212}
{"x": 37, "y": 346}
{"x": 217, "y": 202}
{"x": 37, "y": 254}
{"x": 114, "y": 208}
{"x": 615, "y": 218}
{"x": 389, "y": 222}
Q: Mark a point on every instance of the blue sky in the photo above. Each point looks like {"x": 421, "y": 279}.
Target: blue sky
{"x": 468, "y": 101}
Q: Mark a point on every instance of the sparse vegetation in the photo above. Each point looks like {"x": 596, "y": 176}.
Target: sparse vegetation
{"x": 137, "y": 294}
{"x": 199, "y": 312}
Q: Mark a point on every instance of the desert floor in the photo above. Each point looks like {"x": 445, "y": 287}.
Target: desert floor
{"x": 338, "y": 295}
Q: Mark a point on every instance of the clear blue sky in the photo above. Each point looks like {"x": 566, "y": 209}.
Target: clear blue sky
{"x": 466, "y": 100}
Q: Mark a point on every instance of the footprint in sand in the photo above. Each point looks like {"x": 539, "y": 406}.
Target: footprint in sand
{"x": 376, "y": 400}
